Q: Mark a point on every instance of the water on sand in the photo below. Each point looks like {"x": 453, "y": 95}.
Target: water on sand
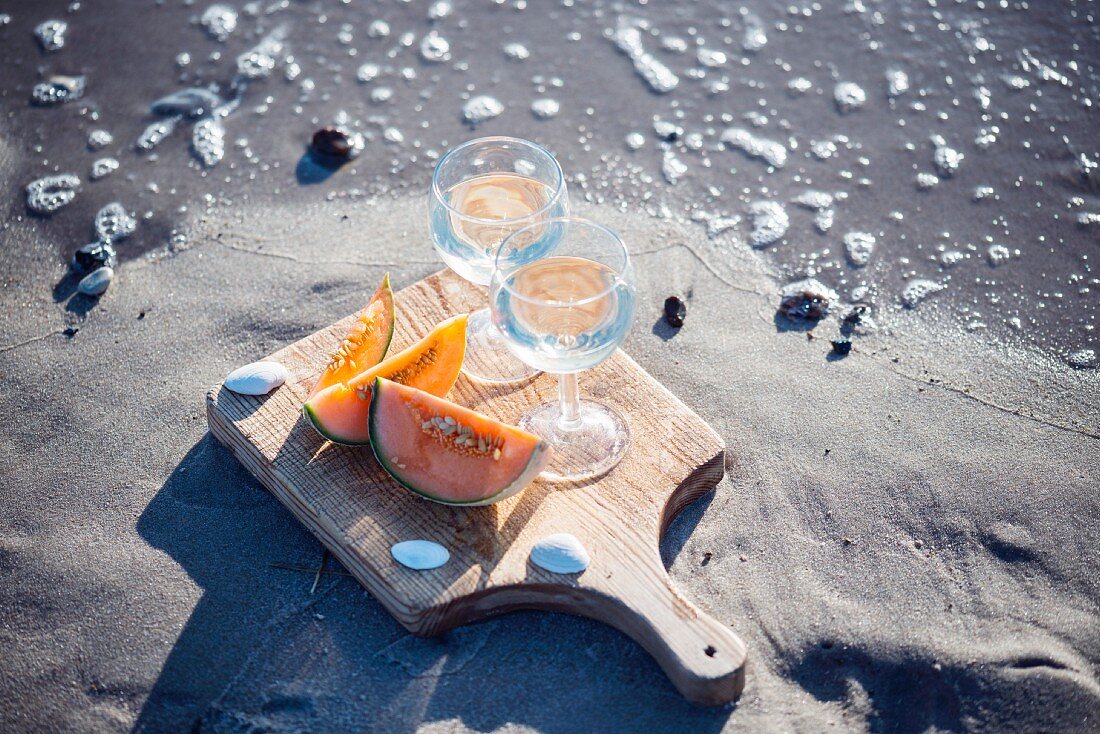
{"x": 902, "y": 114}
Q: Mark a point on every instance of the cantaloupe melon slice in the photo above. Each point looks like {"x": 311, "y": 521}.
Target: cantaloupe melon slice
{"x": 340, "y": 412}
{"x": 366, "y": 343}
{"x": 448, "y": 453}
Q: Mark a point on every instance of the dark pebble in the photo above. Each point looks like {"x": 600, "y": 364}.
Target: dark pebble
{"x": 807, "y": 299}
{"x": 675, "y": 311}
{"x": 94, "y": 256}
{"x": 841, "y": 346}
{"x": 804, "y": 305}
{"x": 856, "y": 313}
{"x": 335, "y": 144}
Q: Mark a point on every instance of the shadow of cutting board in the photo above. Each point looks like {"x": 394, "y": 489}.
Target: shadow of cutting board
{"x": 345, "y": 498}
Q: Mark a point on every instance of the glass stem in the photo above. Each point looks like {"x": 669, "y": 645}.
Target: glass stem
{"x": 569, "y": 398}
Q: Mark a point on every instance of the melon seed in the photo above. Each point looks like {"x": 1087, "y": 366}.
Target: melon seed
{"x": 404, "y": 375}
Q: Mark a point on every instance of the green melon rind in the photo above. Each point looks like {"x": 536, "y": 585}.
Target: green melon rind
{"x": 539, "y": 456}
{"x": 315, "y": 421}
{"x": 391, "y": 312}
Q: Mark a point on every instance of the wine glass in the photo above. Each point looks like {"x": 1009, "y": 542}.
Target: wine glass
{"x": 482, "y": 192}
{"x": 562, "y": 297}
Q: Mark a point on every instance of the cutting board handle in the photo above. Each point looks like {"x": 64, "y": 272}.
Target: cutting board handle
{"x": 702, "y": 657}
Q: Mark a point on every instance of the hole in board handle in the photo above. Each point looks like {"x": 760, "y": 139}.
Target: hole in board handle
{"x": 710, "y": 651}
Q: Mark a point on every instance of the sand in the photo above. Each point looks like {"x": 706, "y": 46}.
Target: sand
{"x": 906, "y": 539}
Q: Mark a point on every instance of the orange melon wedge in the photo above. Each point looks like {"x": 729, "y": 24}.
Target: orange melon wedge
{"x": 447, "y": 453}
{"x": 341, "y": 412}
{"x": 367, "y": 341}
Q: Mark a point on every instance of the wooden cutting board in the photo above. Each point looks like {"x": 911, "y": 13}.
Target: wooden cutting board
{"x": 345, "y": 498}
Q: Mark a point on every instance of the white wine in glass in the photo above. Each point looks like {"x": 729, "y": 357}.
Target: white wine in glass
{"x": 562, "y": 297}
{"x": 482, "y": 192}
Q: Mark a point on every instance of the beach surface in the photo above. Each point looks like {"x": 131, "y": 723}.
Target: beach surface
{"x": 907, "y": 538}
{"x": 904, "y": 543}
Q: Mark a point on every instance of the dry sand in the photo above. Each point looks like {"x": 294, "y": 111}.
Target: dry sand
{"x": 907, "y": 538}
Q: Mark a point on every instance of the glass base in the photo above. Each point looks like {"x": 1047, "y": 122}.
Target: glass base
{"x": 487, "y": 356}
{"x": 585, "y": 449}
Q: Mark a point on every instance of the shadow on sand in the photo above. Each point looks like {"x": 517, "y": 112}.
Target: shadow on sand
{"x": 784, "y": 324}
{"x": 664, "y": 330}
{"x": 312, "y": 169}
{"x": 223, "y": 529}
{"x": 260, "y": 652}
{"x": 65, "y": 289}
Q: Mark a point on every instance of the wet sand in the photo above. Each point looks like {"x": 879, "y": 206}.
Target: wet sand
{"x": 899, "y": 548}
{"x": 1012, "y": 90}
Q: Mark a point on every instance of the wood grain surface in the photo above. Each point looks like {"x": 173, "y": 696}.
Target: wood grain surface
{"x": 345, "y": 498}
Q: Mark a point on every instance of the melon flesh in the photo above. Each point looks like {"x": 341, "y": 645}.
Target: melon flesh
{"x": 341, "y": 412}
{"x": 416, "y": 439}
{"x": 366, "y": 342}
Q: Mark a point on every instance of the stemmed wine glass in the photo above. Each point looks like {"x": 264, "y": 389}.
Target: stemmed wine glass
{"x": 483, "y": 191}
{"x": 562, "y": 297}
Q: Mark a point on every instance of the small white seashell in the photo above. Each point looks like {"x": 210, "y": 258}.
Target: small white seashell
{"x": 258, "y": 378}
{"x": 96, "y": 282}
{"x": 560, "y": 553}
{"x": 420, "y": 555}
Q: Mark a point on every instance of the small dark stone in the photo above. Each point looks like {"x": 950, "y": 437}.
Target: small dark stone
{"x": 675, "y": 311}
{"x": 856, "y": 313}
{"x": 331, "y": 142}
{"x": 841, "y": 346}
{"x": 70, "y": 331}
{"x": 94, "y": 256}
{"x": 336, "y": 144}
{"x": 807, "y": 299}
